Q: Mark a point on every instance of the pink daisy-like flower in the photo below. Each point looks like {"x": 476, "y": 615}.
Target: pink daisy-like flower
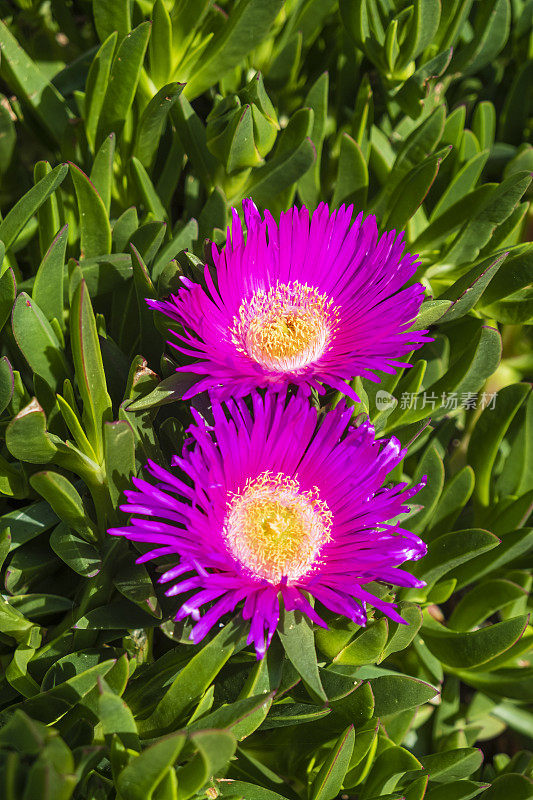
{"x": 276, "y": 503}
{"x": 312, "y": 300}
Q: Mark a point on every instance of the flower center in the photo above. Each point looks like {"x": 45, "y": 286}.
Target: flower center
{"x": 274, "y": 529}
{"x": 286, "y": 327}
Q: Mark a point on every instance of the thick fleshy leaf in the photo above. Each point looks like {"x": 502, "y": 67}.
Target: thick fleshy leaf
{"x": 152, "y": 123}
{"x": 116, "y": 718}
{"x": 48, "y": 287}
{"x": 395, "y": 693}
{"x": 7, "y": 383}
{"x": 191, "y": 133}
{"x": 244, "y": 30}
{"x": 168, "y": 390}
{"x": 214, "y": 750}
{"x": 81, "y": 556}
{"x": 144, "y": 773}
{"x": 465, "y": 293}
{"x": 95, "y": 230}
{"x": 400, "y": 636}
{"x": 317, "y": 101}
{"x": 513, "y": 546}
{"x": 351, "y": 185}
{"x": 8, "y": 290}
{"x": 296, "y": 634}
{"x": 491, "y": 28}
{"x": 102, "y": 170}
{"x": 65, "y": 501}
{"x": 288, "y": 714}
{"x": 22, "y": 211}
{"x": 452, "y": 549}
{"x": 293, "y": 156}
{"x": 97, "y": 80}
{"x": 48, "y": 218}
{"x": 38, "y": 341}
{"x": 507, "y": 298}
{"x": 123, "y": 78}
{"x": 367, "y": 646}
{"x": 413, "y": 91}
{"x": 51, "y": 705}
{"x": 488, "y": 434}
{"x": 8, "y": 137}
{"x": 464, "y": 377}
{"x": 463, "y": 183}
{"x": 147, "y": 190}
{"x": 482, "y": 601}
{"x": 388, "y": 769}
{"x": 241, "y": 718}
{"x": 190, "y": 683}
{"x": 110, "y": 17}
{"x": 251, "y": 791}
{"x": 26, "y": 79}
{"x": 477, "y": 231}
{"x": 473, "y": 648}
{"x": 27, "y": 438}
{"x": 119, "y": 454}
{"x": 88, "y": 365}
{"x": 452, "y": 764}
{"x": 423, "y": 27}
{"x": 133, "y": 581}
{"x": 329, "y": 780}
{"x": 454, "y": 497}
{"x": 160, "y": 45}
{"x": 28, "y": 522}
{"x": 120, "y": 615}
{"x": 430, "y": 312}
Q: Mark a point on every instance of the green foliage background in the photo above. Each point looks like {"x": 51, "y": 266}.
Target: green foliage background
{"x": 127, "y": 130}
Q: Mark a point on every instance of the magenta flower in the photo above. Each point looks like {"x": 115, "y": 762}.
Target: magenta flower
{"x": 305, "y": 302}
{"x": 275, "y": 504}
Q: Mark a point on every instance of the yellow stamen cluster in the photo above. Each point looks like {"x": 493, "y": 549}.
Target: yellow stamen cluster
{"x": 274, "y": 529}
{"x": 286, "y": 327}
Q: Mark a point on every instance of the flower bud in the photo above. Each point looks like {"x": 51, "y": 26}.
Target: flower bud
{"x": 230, "y": 135}
{"x": 242, "y": 129}
{"x": 265, "y": 120}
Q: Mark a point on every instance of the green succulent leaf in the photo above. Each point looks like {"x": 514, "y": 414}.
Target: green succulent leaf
{"x": 488, "y": 434}
{"x": 25, "y": 78}
{"x": 88, "y": 366}
{"x": 95, "y": 230}
{"x": 294, "y": 155}
{"x": 351, "y": 185}
{"x": 474, "y": 648}
{"x": 395, "y": 693}
{"x": 48, "y": 286}
{"x": 297, "y": 638}
{"x": 191, "y": 682}
{"x": 152, "y": 122}
{"x": 124, "y": 75}
{"x": 22, "y": 211}
{"x": 38, "y": 341}
{"x": 329, "y": 780}
{"x": 452, "y": 764}
{"x": 246, "y": 28}
{"x": 140, "y": 778}
{"x": 81, "y": 556}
